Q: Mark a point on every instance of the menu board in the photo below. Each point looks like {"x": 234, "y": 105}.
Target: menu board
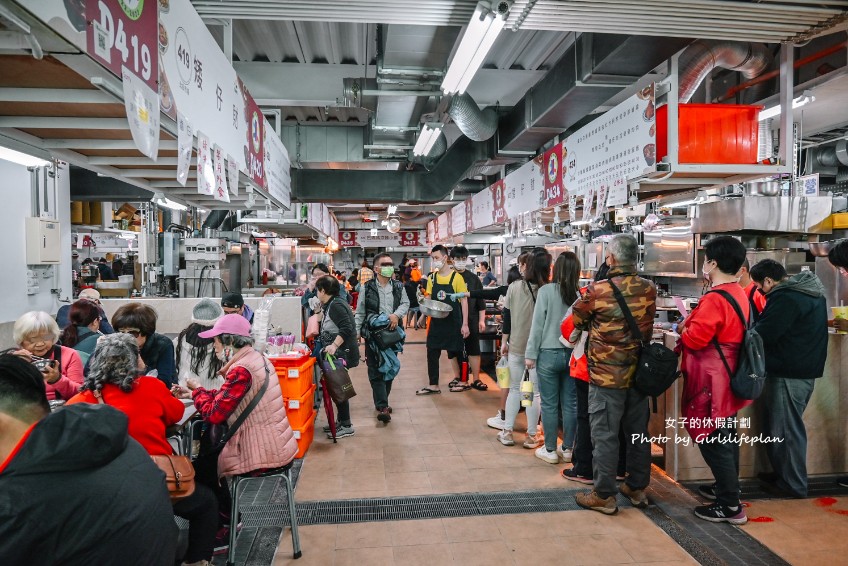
{"x": 619, "y": 144}
{"x": 277, "y": 168}
{"x": 123, "y": 33}
{"x": 524, "y": 189}
{"x": 458, "y": 219}
{"x": 443, "y": 228}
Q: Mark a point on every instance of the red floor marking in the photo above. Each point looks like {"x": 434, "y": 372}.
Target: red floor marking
{"x": 761, "y": 520}
{"x": 839, "y": 511}
{"x": 825, "y": 501}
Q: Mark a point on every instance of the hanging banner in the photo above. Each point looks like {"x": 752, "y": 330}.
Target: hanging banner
{"x": 443, "y": 231}
{"x": 588, "y": 200}
{"x": 142, "y": 106}
{"x": 255, "y": 134}
{"x": 347, "y": 239}
{"x": 205, "y": 169}
{"x": 221, "y": 192}
{"x": 185, "y": 139}
{"x": 554, "y": 193}
{"x": 524, "y": 189}
{"x": 617, "y": 193}
{"x": 277, "y": 167}
{"x": 602, "y": 201}
{"x": 232, "y": 175}
{"x": 123, "y": 33}
{"x": 498, "y": 195}
{"x": 572, "y": 208}
{"x": 385, "y": 239}
{"x": 469, "y": 215}
{"x": 619, "y": 144}
{"x": 458, "y": 219}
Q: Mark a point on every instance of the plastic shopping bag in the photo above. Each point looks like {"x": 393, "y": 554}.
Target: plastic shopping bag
{"x": 502, "y": 372}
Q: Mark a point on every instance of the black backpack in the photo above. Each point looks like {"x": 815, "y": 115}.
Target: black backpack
{"x": 750, "y": 376}
{"x": 658, "y": 365}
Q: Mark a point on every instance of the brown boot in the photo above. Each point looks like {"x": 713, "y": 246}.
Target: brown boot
{"x": 591, "y": 500}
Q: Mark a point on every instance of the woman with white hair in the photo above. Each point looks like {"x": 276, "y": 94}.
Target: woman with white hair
{"x": 36, "y": 334}
{"x": 114, "y": 378}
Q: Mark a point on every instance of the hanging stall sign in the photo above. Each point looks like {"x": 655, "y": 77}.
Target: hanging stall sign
{"x": 552, "y": 160}
{"x": 806, "y": 186}
{"x": 588, "y": 200}
{"x": 572, "y": 207}
{"x": 443, "y": 231}
{"x": 347, "y": 239}
{"x": 458, "y": 219}
{"x": 617, "y": 193}
{"x": 410, "y": 238}
{"x": 469, "y": 214}
{"x": 198, "y": 79}
{"x": 124, "y": 33}
{"x": 232, "y": 175}
{"x": 185, "y": 139}
{"x": 254, "y": 152}
{"x": 205, "y": 168}
{"x": 142, "y": 106}
{"x": 524, "y": 189}
{"x": 602, "y": 200}
{"x": 277, "y": 167}
{"x": 221, "y": 192}
{"x": 619, "y": 144}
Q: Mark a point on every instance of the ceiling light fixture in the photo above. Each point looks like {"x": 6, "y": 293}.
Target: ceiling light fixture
{"x": 427, "y": 139}
{"x": 21, "y": 158}
{"x": 805, "y": 98}
{"x": 479, "y": 36}
{"x": 159, "y": 199}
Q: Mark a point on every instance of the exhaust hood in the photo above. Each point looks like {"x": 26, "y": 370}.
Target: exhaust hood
{"x": 794, "y": 215}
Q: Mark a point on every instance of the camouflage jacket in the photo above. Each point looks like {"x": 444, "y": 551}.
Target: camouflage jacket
{"x": 613, "y": 352}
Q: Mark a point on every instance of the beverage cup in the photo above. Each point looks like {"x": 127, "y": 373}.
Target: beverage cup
{"x": 840, "y": 313}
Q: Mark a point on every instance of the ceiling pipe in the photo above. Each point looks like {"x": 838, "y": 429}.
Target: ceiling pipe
{"x": 833, "y": 155}
{"x": 478, "y": 125}
{"x": 700, "y": 58}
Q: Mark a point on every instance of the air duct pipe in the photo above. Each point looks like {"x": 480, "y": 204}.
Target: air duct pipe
{"x": 438, "y": 150}
{"x": 215, "y": 219}
{"x": 833, "y": 155}
{"x": 700, "y": 58}
{"x": 478, "y": 125}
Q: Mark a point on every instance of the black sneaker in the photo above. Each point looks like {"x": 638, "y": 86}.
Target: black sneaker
{"x": 571, "y": 475}
{"x": 717, "y": 513}
{"x": 707, "y": 491}
{"x": 843, "y": 481}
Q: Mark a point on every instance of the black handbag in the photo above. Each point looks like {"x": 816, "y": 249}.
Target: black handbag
{"x": 384, "y": 338}
{"x": 338, "y": 380}
{"x": 658, "y": 365}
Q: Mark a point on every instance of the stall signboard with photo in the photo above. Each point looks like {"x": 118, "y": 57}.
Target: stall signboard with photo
{"x": 410, "y": 238}
{"x": 124, "y": 33}
{"x": 254, "y": 142}
{"x": 619, "y": 144}
{"x": 347, "y": 239}
{"x": 552, "y": 175}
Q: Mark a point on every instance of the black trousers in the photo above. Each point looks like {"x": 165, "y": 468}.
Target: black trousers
{"x": 721, "y": 453}
{"x": 380, "y": 388}
{"x": 200, "y": 509}
{"x": 582, "y": 455}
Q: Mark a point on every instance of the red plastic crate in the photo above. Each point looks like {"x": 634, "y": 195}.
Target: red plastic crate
{"x": 295, "y": 374}
{"x": 712, "y": 133}
{"x": 304, "y": 435}
{"x": 298, "y": 410}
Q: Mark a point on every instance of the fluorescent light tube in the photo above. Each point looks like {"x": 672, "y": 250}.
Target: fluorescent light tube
{"x": 479, "y": 36}
{"x": 21, "y": 158}
{"x": 427, "y": 139}
{"x": 805, "y": 98}
{"x": 161, "y": 200}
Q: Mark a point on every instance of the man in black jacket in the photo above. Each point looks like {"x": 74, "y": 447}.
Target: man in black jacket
{"x": 74, "y": 488}
{"x": 794, "y": 330}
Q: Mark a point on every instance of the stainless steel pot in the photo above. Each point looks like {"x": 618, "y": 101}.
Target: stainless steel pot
{"x": 764, "y": 188}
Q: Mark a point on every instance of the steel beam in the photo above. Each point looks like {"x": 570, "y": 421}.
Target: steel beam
{"x": 101, "y": 144}
{"x": 55, "y": 95}
{"x": 64, "y": 123}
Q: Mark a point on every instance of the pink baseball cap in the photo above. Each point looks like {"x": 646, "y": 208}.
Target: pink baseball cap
{"x": 228, "y": 324}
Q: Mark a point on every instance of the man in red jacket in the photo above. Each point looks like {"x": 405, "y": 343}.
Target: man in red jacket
{"x": 709, "y": 406}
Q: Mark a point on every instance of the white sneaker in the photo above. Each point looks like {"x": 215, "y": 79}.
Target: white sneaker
{"x": 505, "y": 438}
{"x": 565, "y": 454}
{"x": 549, "y": 457}
{"x": 496, "y": 422}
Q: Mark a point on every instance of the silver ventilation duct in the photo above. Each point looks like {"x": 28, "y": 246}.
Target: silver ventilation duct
{"x": 478, "y": 125}
{"x": 700, "y": 58}
{"x": 482, "y": 171}
{"x": 833, "y": 155}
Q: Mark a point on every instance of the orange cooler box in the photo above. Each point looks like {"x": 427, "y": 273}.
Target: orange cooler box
{"x": 299, "y": 410}
{"x": 712, "y": 133}
{"x": 295, "y": 374}
{"x": 304, "y": 435}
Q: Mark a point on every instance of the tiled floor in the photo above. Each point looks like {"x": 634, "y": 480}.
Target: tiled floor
{"x": 441, "y": 444}
{"x": 802, "y": 532}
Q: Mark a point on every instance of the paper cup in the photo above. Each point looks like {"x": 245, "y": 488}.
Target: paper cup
{"x": 840, "y": 313}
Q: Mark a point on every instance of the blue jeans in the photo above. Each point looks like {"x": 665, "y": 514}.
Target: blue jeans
{"x": 785, "y": 401}
{"x": 558, "y": 396}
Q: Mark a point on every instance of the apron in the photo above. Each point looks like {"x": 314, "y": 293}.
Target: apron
{"x": 444, "y": 333}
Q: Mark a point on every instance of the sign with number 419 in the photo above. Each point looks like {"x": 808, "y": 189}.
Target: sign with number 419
{"x": 123, "y": 33}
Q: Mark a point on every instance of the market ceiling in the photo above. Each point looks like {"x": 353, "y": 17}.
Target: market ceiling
{"x": 301, "y": 65}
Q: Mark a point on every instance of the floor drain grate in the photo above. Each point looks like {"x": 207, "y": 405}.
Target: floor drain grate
{"x": 415, "y": 507}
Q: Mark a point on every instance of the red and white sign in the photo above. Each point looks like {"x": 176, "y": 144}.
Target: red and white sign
{"x": 497, "y": 193}
{"x": 254, "y": 148}
{"x": 124, "y": 33}
{"x": 347, "y": 239}
{"x": 554, "y": 193}
{"x": 205, "y": 168}
{"x": 410, "y": 238}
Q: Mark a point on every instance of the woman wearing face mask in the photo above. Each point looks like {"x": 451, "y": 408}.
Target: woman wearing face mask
{"x": 264, "y": 440}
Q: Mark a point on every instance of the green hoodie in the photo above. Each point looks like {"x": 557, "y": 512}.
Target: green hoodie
{"x": 805, "y": 282}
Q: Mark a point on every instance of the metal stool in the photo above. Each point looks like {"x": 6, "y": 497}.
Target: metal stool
{"x": 286, "y": 474}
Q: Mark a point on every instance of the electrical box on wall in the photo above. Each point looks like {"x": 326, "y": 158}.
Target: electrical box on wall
{"x": 42, "y": 241}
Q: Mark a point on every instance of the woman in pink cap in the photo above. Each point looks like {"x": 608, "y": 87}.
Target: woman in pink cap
{"x": 264, "y": 440}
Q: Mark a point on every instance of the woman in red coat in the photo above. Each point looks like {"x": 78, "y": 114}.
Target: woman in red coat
{"x": 708, "y": 402}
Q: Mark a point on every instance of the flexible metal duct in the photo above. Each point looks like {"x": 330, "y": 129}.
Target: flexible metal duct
{"x": 833, "y": 155}
{"x": 478, "y": 125}
{"x": 438, "y": 150}
{"x": 482, "y": 171}
{"x": 700, "y": 58}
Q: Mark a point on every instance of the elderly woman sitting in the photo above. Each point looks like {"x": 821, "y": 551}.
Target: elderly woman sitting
{"x": 264, "y": 440}
{"x": 114, "y": 379}
{"x": 36, "y": 334}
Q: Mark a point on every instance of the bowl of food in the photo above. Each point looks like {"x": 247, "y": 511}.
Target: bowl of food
{"x": 435, "y": 309}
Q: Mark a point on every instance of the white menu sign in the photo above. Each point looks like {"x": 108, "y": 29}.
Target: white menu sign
{"x": 142, "y": 106}
{"x": 185, "y": 140}
{"x": 221, "y": 192}
{"x": 444, "y": 226}
{"x": 619, "y": 144}
{"x": 457, "y": 215}
{"x": 617, "y": 193}
{"x": 205, "y": 168}
{"x": 277, "y": 167}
